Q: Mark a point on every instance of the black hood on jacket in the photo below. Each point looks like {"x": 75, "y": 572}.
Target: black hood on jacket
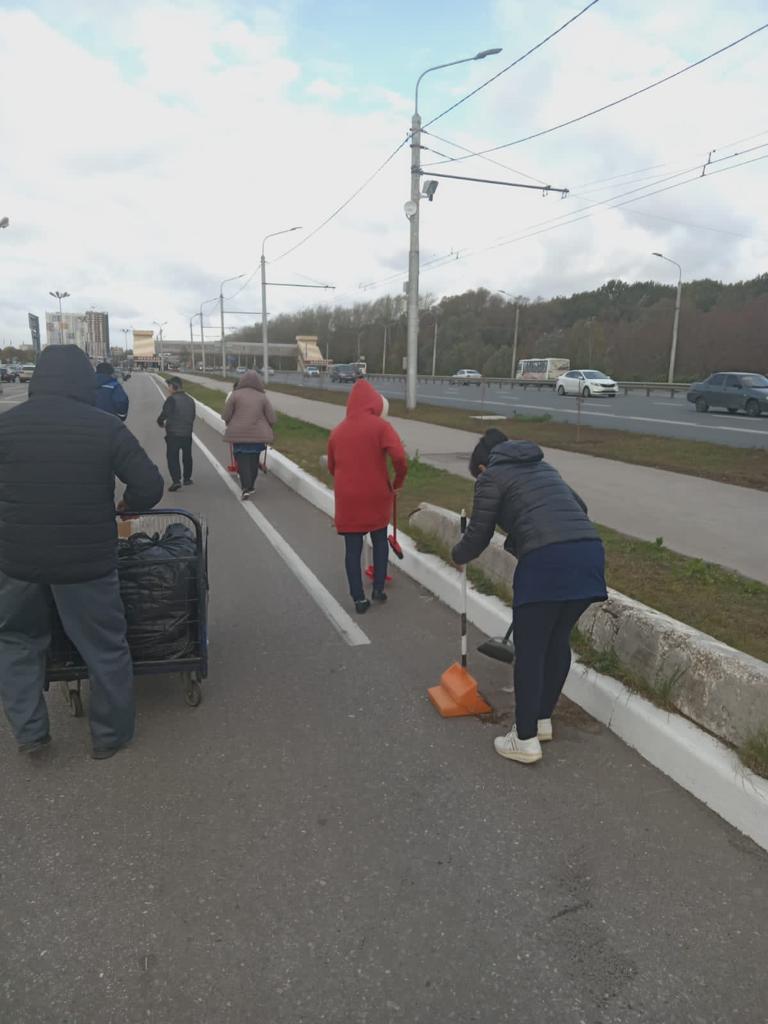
{"x": 517, "y": 452}
{"x": 64, "y": 370}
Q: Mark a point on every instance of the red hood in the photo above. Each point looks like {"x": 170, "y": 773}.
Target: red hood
{"x": 364, "y": 398}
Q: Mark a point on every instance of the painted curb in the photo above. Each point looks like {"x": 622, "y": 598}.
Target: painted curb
{"x": 699, "y": 763}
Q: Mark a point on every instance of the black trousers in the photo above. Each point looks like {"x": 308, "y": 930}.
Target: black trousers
{"x": 353, "y": 550}
{"x": 175, "y": 446}
{"x": 542, "y": 634}
{"x": 248, "y": 469}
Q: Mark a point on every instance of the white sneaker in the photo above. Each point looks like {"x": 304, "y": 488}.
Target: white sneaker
{"x": 525, "y": 751}
{"x": 545, "y": 730}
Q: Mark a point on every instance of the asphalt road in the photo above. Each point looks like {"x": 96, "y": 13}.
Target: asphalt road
{"x": 658, "y": 413}
{"x": 313, "y": 844}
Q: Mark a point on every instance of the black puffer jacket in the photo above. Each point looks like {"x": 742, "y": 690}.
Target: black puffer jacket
{"x": 528, "y": 499}
{"x": 59, "y": 456}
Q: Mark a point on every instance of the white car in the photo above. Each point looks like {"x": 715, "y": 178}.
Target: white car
{"x": 467, "y": 377}
{"x": 587, "y": 383}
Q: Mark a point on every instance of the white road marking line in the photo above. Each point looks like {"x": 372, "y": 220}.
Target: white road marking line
{"x": 342, "y": 622}
{"x": 609, "y": 415}
{"x": 339, "y": 619}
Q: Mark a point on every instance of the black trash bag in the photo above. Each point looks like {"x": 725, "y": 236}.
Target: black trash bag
{"x": 158, "y": 585}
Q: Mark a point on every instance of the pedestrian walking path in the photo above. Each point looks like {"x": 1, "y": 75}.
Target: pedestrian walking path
{"x": 313, "y": 843}
{"x": 700, "y": 518}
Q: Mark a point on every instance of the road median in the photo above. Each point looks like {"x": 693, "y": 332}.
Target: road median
{"x": 704, "y": 764}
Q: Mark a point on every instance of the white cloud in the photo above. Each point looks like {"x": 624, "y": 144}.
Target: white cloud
{"x": 324, "y": 90}
{"x": 138, "y": 186}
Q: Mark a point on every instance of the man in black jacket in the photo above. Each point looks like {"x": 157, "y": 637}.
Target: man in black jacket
{"x": 178, "y": 418}
{"x": 59, "y": 456}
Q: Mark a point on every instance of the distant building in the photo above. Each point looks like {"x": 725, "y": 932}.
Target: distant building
{"x": 89, "y": 331}
{"x": 144, "y": 347}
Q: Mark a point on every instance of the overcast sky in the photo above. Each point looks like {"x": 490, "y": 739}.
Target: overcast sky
{"x": 146, "y": 149}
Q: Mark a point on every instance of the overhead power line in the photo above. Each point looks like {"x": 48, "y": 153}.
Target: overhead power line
{"x": 616, "y": 102}
{"x": 574, "y": 216}
{"x": 514, "y": 63}
{"x": 345, "y": 204}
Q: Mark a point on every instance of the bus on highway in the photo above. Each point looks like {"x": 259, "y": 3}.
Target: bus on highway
{"x": 542, "y": 369}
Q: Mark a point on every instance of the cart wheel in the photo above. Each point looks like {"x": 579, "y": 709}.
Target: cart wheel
{"x": 75, "y": 704}
{"x": 193, "y": 693}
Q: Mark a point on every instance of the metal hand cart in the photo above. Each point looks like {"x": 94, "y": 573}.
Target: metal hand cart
{"x": 189, "y": 642}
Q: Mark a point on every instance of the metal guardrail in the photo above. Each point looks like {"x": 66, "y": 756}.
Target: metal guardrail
{"x": 489, "y": 382}
{"x": 549, "y": 385}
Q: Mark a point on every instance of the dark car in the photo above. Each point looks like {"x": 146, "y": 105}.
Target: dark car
{"x": 747, "y": 392}
{"x": 345, "y": 373}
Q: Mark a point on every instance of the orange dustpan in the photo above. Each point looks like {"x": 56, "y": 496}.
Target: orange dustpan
{"x": 457, "y": 694}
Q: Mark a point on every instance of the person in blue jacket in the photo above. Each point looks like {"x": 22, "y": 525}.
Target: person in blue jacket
{"x": 560, "y": 572}
{"x": 110, "y": 394}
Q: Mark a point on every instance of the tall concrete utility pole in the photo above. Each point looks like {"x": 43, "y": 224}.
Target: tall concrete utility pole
{"x": 676, "y": 323}
{"x": 412, "y": 213}
{"x": 264, "y": 327}
{"x": 221, "y": 314}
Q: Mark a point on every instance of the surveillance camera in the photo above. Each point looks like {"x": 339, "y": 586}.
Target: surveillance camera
{"x": 430, "y": 187}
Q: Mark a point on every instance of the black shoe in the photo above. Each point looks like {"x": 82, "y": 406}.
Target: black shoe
{"x": 34, "y": 745}
{"x": 379, "y": 595}
{"x": 188, "y": 483}
{"x": 175, "y": 487}
{"x": 246, "y": 495}
{"x": 361, "y": 607}
{"x": 102, "y": 753}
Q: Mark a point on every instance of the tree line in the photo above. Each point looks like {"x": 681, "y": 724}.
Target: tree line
{"x": 621, "y": 328}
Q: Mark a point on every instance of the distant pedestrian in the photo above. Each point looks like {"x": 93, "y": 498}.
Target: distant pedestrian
{"x": 560, "y": 572}
{"x": 59, "y": 457}
{"x": 110, "y": 394}
{"x": 358, "y": 452}
{"x": 178, "y": 418}
{"x": 250, "y": 419}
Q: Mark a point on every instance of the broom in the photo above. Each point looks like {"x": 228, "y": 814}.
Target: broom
{"x": 394, "y": 543}
{"x": 499, "y": 648}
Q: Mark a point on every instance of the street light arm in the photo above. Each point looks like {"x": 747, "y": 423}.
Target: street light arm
{"x": 465, "y": 60}
{"x": 274, "y": 234}
{"x": 668, "y": 260}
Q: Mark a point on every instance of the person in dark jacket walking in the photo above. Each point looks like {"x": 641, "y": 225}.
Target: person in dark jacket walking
{"x": 560, "y": 572}
{"x": 59, "y": 457}
{"x": 110, "y": 394}
{"x": 178, "y": 418}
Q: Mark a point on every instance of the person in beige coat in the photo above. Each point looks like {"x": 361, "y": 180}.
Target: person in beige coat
{"x": 250, "y": 418}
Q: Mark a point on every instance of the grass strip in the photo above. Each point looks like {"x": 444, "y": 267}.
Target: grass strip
{"x": 716, "y": 601}
{"x": 745, "y": 467}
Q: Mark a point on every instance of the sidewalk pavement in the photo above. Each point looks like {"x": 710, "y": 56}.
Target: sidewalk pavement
{"x": 701, "y": 518}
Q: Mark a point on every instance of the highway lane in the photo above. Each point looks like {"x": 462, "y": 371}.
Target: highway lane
{"x": 313, "y": 844}
{"x": 655, "y": 414}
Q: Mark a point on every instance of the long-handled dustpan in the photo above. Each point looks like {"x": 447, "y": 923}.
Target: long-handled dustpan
{"x": 457, "y": 693}
{"x": 500, "y": 648}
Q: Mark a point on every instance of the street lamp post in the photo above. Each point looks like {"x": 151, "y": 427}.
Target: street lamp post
{"x": 192, "y": 340}
{"x": 412, "y": 212}
{"x": 60, "y": 295}
{"x": 517, "y": 327}
{"x": 202, "y": 328}
{"x": 221, "y": 314}
{"x": 126, "y": 331}
{"x": 673, "y": 352}
{"x": 160, "y": 327}
{"x": 264, "y": 330}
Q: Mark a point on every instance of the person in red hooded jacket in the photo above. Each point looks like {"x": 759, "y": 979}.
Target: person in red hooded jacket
{"x": 357, "y": 459}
